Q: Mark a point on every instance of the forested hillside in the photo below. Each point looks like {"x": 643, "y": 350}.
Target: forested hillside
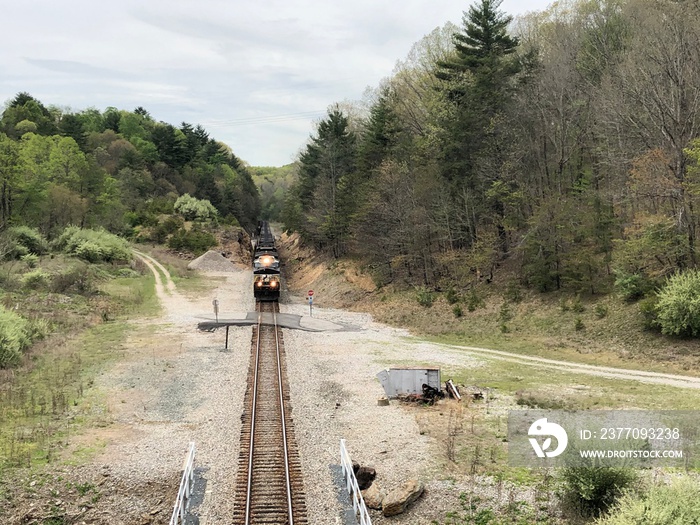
{"x": 115, "y": 169}
{"x": 562, "y": 145}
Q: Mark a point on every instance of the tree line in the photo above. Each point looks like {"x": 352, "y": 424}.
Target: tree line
{"x": 114, "y": 169}
{"x": 562, "y": 144}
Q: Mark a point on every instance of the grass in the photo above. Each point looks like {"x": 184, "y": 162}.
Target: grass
{"x": 51, "y": 395}
{"x": 539, "y": 326}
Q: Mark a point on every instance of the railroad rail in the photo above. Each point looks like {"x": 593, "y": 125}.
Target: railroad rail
{"x": 269, "y": 486}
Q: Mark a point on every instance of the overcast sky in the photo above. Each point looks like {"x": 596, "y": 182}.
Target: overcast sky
{"x": 256, "y": 75}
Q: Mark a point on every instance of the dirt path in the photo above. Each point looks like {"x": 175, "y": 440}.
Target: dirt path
{"x": 580, "y": 368}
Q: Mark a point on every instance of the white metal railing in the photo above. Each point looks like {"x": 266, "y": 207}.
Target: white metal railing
{"x": 358, "y": 504}
{"x": 182, "y": 502}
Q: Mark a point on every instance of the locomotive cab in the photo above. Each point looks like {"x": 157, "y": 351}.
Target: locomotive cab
{"x": 266, "y": 285}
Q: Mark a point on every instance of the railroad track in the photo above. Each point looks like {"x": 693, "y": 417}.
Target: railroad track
{"x": 269, "y": 487}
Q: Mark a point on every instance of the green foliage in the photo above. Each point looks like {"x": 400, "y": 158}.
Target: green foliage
{"x": 169, "y": 226}
{"x": 513, "y": 292}
{"x": 600, "y": 310}
{"x": 457, "y": 311}
{"x": 632, "y": 287}
{"x": 451, "y": 296}
{"x": 193, "y": 209}
{"x": 196, "y": 240}
{"x": 474, "y": 301}
{"x": 647, "y": 307}
{"x": 78, "y": 279}
{"x": 678, "y": 307}
{"x": 425, "y": 297}
{"x": 14, "y": 337}
{"x": 675, "y": 504}
{"x": 578, "y": 324}
{"x": 592, "y": 490}
{"x": 505, "y": 314}
{"x": 30, "y": 259}
{"x": 29, "y": 238}
{"x": 35, "y": 279}
{"x": 93, "y": 245}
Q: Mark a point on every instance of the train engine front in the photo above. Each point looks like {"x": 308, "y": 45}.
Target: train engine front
{"x": 266, "y": 284}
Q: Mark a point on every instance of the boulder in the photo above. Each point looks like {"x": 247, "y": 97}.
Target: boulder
{"x": 364, "y": 475}
{"x": 373, "y": 496}
{"x": 398, "y": 500}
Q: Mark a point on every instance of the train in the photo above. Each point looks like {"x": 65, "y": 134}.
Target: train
{"x": 266, "y": 265}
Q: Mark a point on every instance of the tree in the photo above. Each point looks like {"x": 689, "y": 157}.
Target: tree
{"x": 325, "y": 169}
{"x": 10, "y": 171}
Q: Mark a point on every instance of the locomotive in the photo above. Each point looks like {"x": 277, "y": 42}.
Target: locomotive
{"x": 266, "y": 265}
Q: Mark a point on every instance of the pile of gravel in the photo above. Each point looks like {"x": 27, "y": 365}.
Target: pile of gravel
{"x": 212, "y": 261}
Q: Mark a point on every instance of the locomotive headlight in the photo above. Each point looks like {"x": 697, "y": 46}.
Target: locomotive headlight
{"x": 259, "y": 284}
{"x": 273, "y": 284}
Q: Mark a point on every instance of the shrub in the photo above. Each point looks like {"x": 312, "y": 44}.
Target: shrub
{"x": 457, "y": 311}
{"x": 671, "y": 504}
{"x": 505, "y": 314}
{"x": 425, "y": 297}
{"x": 647, "y": 307}
{"x": 600, "y": 310}
{"x": 474, "y": 301}
{"x": 513, "y": 292}
{"x": 14, "y": 337}
{"x": 194, "y": 209}
{"x": 196, "y": 241}
{"x": 591, "y": 490}
{"x": 578, "y": 324}
{"x": 93, "y": 245}
{"x": 451, "y": 296}
{"x": 678, "y": 307}
{"x": 29, "y": 238}
{"x": 30, "y": 259}
{"x": 632, "y": 287}
{"x": 35, "y": 279}
{"x": 78, "y": 279}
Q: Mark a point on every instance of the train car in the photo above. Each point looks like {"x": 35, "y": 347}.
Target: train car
{"x": 266, "y": 284}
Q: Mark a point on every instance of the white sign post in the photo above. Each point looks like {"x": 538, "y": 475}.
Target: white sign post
{"x": 310, "y": 298}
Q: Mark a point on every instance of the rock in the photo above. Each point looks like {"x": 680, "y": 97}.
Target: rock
{"x": 373, "y": 496}
{"x": 365, "y": 476}
{"x": 398, "y": 500}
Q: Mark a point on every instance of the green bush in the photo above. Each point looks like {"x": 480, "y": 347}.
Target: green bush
{"x": 35, "y": 279}
{"x": 195, "y": 240}
{"x": 474, "y": 301}
{"x": 647, "y": 307}
{"x": 591, "y": 490}
{"x": 29, "y": 238}
{"x": 600, "y": 310}
{"x": 678, "y": 307}
{"x": 425, "y": 297}
{"x": 513, "y": 292}
{"x": 77, "y": 279}
{"x": 30, "y": 259}
{"x": 193, "y": 209}
{"x": 93, "y": 245}
{"x": 457, "y": 311}
{"x": 632, "y": 287}
{"x": 14, "y": 337}
{"x": 674, "y": 504}
{"x": 451, "y": 296}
